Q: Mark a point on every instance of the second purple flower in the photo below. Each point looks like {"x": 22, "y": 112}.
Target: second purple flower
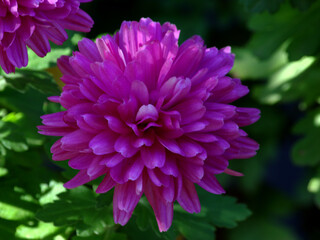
{"x": 33, "y": 23}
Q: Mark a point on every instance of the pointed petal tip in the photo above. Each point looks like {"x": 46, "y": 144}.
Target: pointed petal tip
{"x": 163, "y": 227}
{"x": 233, "y": 173}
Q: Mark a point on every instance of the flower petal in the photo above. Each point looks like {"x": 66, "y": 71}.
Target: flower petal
{"x": 103, "y": 143}
{"x": 125, "y": 200}
{"x": 163, "y": 210}
{"x": 188, "y": 197}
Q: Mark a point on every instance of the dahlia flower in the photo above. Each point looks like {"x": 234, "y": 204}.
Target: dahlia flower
{"x": 33, "y": 23}
{"x": 150, "y": 117}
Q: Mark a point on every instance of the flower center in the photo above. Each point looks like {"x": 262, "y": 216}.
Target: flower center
{"x": 146, "y": 118}
{"x": 147, "y": 113}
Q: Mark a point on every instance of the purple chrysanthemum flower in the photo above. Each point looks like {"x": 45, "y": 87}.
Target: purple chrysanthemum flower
{"x": 33, "y": 23}
{"x": 151, "y": 117}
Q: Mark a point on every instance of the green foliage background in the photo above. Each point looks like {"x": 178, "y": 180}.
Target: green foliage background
{"x": 277, "y": 47}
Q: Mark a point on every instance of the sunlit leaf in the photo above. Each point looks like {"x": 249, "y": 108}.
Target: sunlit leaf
{"x": 288, "y": 24}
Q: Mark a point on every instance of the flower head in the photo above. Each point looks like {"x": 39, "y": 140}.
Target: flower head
{"x": 33, "y": 23}
{"x": 153, "y": 118}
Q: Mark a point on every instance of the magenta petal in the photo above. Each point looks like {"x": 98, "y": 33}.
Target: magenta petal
{"x": 112, "y": 160}
{"x": 125, "y": 196}
{"x": 154, "y": 156}
{"x": 189, "y": 147}
{"x": 203, "y": 137}
{"x": 191, "y": 110}
{"x": 123, "y": 146}
{"x": 77, "y": 140}
{"x": 94, "y": 121}
{"x": 149, "y": 61}
{"x": 219, "y": 62}
{"x": 134, "y": 171}
{"x": 125, "y": 200}
{"x": 140, "y": 91}
{"x": 192, "y": 171}
{"x": 54, "y": 119}
{"x": 246, "y": 116}
{"x": 103, "y": 143}
{"x": 106, "y": 184}
{"x": 188, "y": 58}
{"x": 188, "y": 197}
{"x": 109, "y": 50}
{"x": 6, "y": 65}
{"x": 170, "y": 167}
{"x": 39, "y": 43}
{"x": 89, "y": 49}
{"x": 210, "y": 183}
{"x": 17, "y": 53}
{"x": 81, "y": 178}
{"x": 163, "y": 210}
{"x": 242, "y": 147}
{"x": 80, "y": 64}
{"x": 55, "y": 99}
{"x": 216, "y": 164}
{"x": 158, "y": 178}
{"x": 80, "y": 21}
{"x": 59, "y": 154}
{"x": 95, "y": 167}
{"x": 81, "y": 161}
{"x": 233, "y": 173}
{"x": 127, "y": 169}
{"x": 169, "y": 191}
{"x": 171, "y": 145}
{"x": 54, "y": 131}
{"x": 227, "y": 110}
{"x": 64, "y": 66}
{"x": 56, "y": 34}
{"x": 117, "y": 125}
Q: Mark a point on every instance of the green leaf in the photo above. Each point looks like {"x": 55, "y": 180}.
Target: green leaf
{"x": 78, "y": 207}
{"x": 143, "y": 215}
{"x": 15, "y": 142}
{"x": 105, "y": 199}
{"x": 262, "y": 5}
{"x": 8, "y": 229}
{"x": 248, "y": 66}
{"x": 193, "y": 229}
{"x": 97, "y": 237}
{"x": 286, "y": 85}
{"x": 15, "y": 205}
{"x": 38, "y": 231}
{"x": 50, "y": 60}
{"x": 99, "y": 220}
{"x": 40, "y": 80}
{"x": 60, "y": 213}
{"x": 262, "y": 230}
{"x": 3, "y": 172}
{"x": 306, "y": 150}
{"x": 50, "y": 192}
{"x": 287, "y": 26}
{"x": 70, "y": 207}
{"x": 144, "y": 218}
{"x": 302, "y": 5}
{"x": 223, "y": 211}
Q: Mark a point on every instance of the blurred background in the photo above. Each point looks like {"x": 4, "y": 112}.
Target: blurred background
{"x": 277, "y": 48}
